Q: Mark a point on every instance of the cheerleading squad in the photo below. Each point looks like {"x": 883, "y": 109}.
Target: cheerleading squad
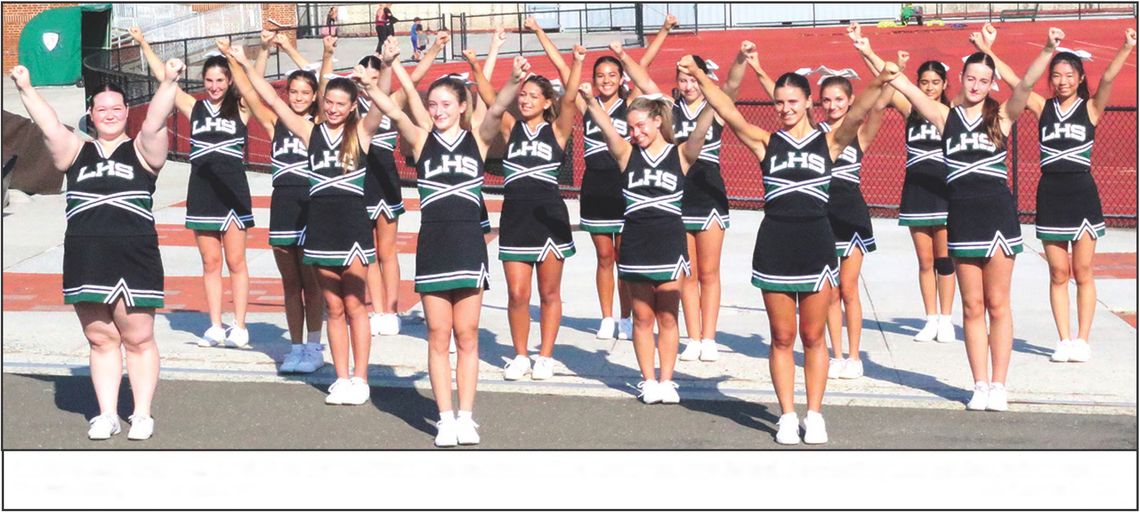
{"x": 652, "y": 199}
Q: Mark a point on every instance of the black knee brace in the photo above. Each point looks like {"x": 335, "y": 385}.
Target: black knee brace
{"x": 944, "y": 266}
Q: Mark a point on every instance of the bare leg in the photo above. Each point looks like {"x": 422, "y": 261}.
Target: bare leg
{"x": 291, "y": 283}
{"x": 518, "y": 302}
{"x": 437, "y": 312}
{"x": 996, "y": 276}
{"x": 330, "y": 279}
{"x": 709, "y": 245}
{"x": 137, "y": 328}
{"x": 970, "y": 285}
{"x": 852, "y": 304}
{"x": 624, "y": 304}
{"x": 1057, "y": 254}
{"x": 353, "y": 281}
{"x": 1083, "y": 251}
{"x": 210, "y": 248}
{"x": 813, "y": 313}
{"x": 923, "y": 239}
{"x": 644, "y": 301}
{"x": 604, "y": 277}
{"x": 106, "y": 356}
{"x": 690, "y": 291}
{"x": 314, "y": 298}
{"x": 550, "y": 300}
{"x": 466, "y": 305}
{"x": 781, "y": 309}
{"x": 234, "y": 243}
{"x": 945, "y": 283}
{"x": 388, "y": 255}
{"x": 835, "y": 322}
{"x": 666, "y": 297}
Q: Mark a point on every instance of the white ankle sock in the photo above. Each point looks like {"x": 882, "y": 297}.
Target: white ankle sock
{"x": 463, "y": 415}
{"x": 446, "y": 416}
{"x": 314, "y": 337}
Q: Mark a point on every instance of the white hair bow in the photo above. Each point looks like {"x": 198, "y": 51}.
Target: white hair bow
{"x": 945, "y": 66}
{"x": 826, "y": 72}
{"x": 712, "y": 66}
{"x": 212, "y": 53}
{"x": 1083, "y": 55}
{"x": 558, "y": 87}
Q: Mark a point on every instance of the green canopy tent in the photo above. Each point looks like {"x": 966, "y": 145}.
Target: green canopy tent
{"x": 54, "y": 43}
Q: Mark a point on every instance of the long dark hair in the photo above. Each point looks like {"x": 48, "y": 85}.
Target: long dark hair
{"x": 801, "y": 83}
{"x": 349, "y": 141}
{"x": 550, "y": 114}
{"x": 311, "y": 79}
{"x": 1073, "y": 60}
{"x": 621, "y": 71}
{"x": 102, "y": 87}
{"x": 991, "y": 114}
{"x": 230, "y": 100}
{"x": 938, "y": 69}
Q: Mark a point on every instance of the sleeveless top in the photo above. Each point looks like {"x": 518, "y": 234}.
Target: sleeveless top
{"x": 327, "y": 175}
{"x": 1066, "y": 137}
{"x": 976, "y": 166}
{"x": 653, "y": 184}
{"x": 531, "y": 163}
{"x": 109, "y": 194}
{"x": 216, "y": 139}
{"x": 847, "y": 165}
{"x": 449, "y": 177}
{"x": 290, "y": 158}
{"x": 597, "y": 153}
{"x": 924, "y": 148}
{"x": 797, "y": 175}
{"x": 685, "y": 121}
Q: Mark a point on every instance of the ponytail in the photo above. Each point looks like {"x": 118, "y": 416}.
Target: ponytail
{"x": 991, "y": 115}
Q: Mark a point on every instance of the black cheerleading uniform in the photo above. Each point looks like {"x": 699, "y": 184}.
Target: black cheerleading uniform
{"x": 217, "y": 195}
{"x": 289, "y": 206}
{"x": 339, "y": 231}
{"x": 705, "y": 200}
{"x": 601, "y": 197}
{"x": 925, "y": 199}
{"x": 653, "y": 245}
{"x": 535, "y": 223}
{"x": 382, "y": 192}
{"x": 846, "y": 209}
{"x": 451, "y": 252}
{"x": 795, "y": 248}
{"x": 982, "y": 215}
{"x": 1068, "y": 203}
{"x": 110, "y": 249}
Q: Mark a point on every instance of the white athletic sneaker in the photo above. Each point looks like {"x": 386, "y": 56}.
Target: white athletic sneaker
{"x": 214, "y": 336}
{"x": 788, "y": 429}
{"x": 516, "y": 368}
{"x": 709, "y": 351}
{"x": 668, "y": 392}
{"x": 339, "y": 391}
{"x": 1079, "y": 351}
{"x": 835, "y": 367}
{"x": 625, "y": 329}
{"x": 465, "y": 430}
{"x": 389, "y": 324}
{"x": 103, "y": 427}
{"x": 929, "y": 331}
{"x": 815, "y": 430}
{"x": 692, "y": 351}
{"x": 606, "y": 329}
{"x": 543, "y": 368}
{"x": 358, "y": 392}
{"x": 312, "y": 359}
{"x": 446, "y": 435}
{"x": 649, "y": 392}
{"x": 998, "y": 399}
{"x": 852, "y": 369}
{"x": 945, "y": 330}
{"x": 142, "y": 427}
{"x": 374, "y": 323}
{"x": 293, "y": 358}
{"x": 237, "y": 338}
{"x": 981, "y": 396}
{"x": 1061, "y": 353}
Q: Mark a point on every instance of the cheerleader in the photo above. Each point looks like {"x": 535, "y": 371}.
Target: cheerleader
{"x": 704, "y": 205}
{"x": 655, "y": 255}
{"x": 451, "y": 254}
{"x": 1068, "y": 205}
{"x": 925, "y": 198}
{"x": 112, "y": 270}
{"x": 338, "y": 237}
{"x": 289, "y": 205}
{"x": 218, "y": 205}
{"x": 795, "y": 257}
{"x": 984, "y": 235}
{"x": 601, "y": 190}
{"x": 534, "y": 233}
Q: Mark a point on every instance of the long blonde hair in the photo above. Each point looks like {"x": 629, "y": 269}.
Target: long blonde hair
{"x": 349, "y": 141}
{"x": 657, "y": 107}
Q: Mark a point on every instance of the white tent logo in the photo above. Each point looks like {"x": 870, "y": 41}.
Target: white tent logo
{"x": 51, "y": 39}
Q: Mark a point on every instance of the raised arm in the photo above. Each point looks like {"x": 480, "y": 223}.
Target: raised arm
{"x": 564, "y": 125}
{"x": 863, "y": 103}
{"x": 658, "y": 41}
{"x": 494, "y": 124}
{"x": 63, "y": 145}
{"x": 300, "y": 126}
{"x": 619, "y": 147}
{"x": 286, "y": 45}
{"x": 414, "y": 134}
{"x": 642, "y": 83}
{"x": 751, "y": 135}
{"x": 752, "y": 58}
{"x": 329, "y": 48}
{"x": 263, "y": 56}
{"x": 870, "y": 127}
{"x": 1022, "y": 92}
{"x": 1104, "y": 88}
{"x": 735, "y": 77}
{"x": 252, "y": 99}
{"x": 372, "y": 119}
{"x": 422, "y": 67}
{"x": 691, "y": 149}
{"x": 875, "y": 64}
{"x": 183, "y": 101}
{"x": 929, "y": 109}
{"x": 984, "y": 41}
{"x": 550, "y": 48}
{"x": 497, "y": 40}
{"x": 482, "y": 81}
{"x": 152, "y": 141}
{"x": 419, "y": 113}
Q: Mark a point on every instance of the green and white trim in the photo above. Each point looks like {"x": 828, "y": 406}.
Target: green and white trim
{"x": 602, "y": 226}
{"x": 207, "y": 223}
{"x": 390, "y": 212}
{"x": 535, "y": 254}
{"x": 453, "y": 280}
{"x": 287, "y": 238}
{"x": 1058, "y": 234}
{"x": 704, "y": 223}
{"x": 796, "y": 284}
{"x": 923, "y": 219}
{"x": 110, "y": 294}
{"x": 843, "y": 249}
{"x": 656, "y": 273}
{"x": 987, "y": 249}
{"x": 339, "y": 258}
